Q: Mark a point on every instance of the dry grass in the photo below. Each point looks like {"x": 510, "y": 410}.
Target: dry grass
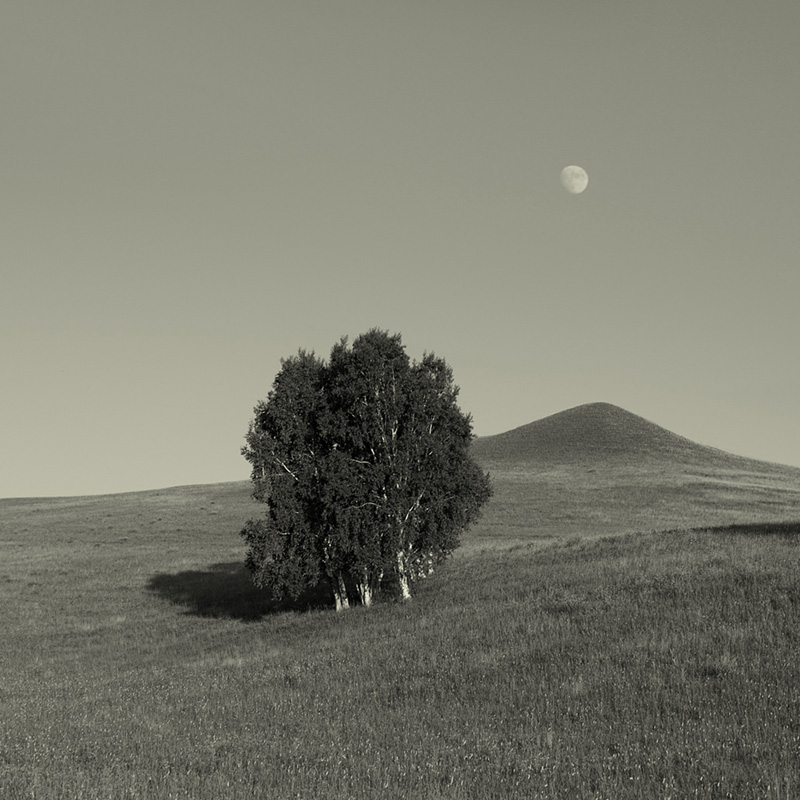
{"x": 545, "y": 660}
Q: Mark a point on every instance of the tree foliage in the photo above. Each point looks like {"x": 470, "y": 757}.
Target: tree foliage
{"x": 364, "y": 465}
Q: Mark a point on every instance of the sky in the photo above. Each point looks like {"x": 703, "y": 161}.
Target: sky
{"x": 192, "y": 190}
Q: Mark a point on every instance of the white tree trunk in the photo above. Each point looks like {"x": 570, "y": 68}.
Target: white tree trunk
{"x": 365, "y": 592}
{"x": 402, "y": 574}
{"x": 340, "y": 593}
{"x": 365, "y": 589}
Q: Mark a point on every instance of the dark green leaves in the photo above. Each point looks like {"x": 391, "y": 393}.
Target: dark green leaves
{"x": 364, "y": 465}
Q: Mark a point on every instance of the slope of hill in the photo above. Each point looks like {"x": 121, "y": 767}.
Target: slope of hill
{"x": 597, "y": 469}
{"x": 597, "y": 433}
{"x": 137, "y": 650}
{"x": 140, "y": 661}
{"x": 591, "y": 470}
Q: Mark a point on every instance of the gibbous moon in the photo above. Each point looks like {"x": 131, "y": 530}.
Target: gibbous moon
{"x": 574, "y": 179}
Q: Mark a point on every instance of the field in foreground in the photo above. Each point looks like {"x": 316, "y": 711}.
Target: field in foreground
{"x": 138, "y": 662}
{"x": 586, "y": 642}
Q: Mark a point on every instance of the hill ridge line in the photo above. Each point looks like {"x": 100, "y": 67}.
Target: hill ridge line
{"x": 598, "y": 433}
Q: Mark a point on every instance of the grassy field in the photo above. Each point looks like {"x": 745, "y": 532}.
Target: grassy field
{"x": 579, "y": 645}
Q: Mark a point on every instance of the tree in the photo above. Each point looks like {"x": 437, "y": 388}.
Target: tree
{"x": 364, "y": 465}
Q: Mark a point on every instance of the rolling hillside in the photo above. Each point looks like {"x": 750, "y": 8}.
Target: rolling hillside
{"x": 591, "y": 470}
{"x": 597, "y": 469}
{"x": 541, "y": 661}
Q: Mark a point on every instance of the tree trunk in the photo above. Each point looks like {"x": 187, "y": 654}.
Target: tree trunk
{"x": 405, "y": 590}
{"x": 340, "y": 593}
{"x": 365, "y": 586}
{"x": 365, "y": 593}
{"x": 402, "y": 575}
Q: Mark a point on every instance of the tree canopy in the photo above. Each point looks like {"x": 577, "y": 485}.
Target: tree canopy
{"x": 364, "y": 465}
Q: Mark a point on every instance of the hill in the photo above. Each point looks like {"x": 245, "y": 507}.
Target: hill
{"x": 597, "y": 434}
{"x": 597, "y": 469}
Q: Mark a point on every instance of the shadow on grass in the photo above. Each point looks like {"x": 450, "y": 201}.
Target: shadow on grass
{"x": 789, "y": 529}
{"x": 227, "y": 591}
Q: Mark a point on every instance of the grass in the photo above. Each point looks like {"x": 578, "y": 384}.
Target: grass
{"x": 555, "y": 502}
{"x": 546, "y": 659}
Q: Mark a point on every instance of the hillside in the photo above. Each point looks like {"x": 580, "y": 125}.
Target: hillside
{"x": 541, "y": 661}
{"x": 591, "y": 470}
{"x": 597, "y": 469}
{"x": 597, "y": 433}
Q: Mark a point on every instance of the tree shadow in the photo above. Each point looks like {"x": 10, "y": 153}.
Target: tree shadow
{"x": 227, "y": 591}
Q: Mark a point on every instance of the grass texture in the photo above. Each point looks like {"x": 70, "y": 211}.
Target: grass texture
{"x": 606, "y": 631}
{"x": 138, "y": 665}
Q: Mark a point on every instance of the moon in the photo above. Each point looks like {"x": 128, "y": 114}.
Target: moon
{"x": 574, "y": 179}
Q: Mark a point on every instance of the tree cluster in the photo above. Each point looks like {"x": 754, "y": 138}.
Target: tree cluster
{"x": 364, "y": 465}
